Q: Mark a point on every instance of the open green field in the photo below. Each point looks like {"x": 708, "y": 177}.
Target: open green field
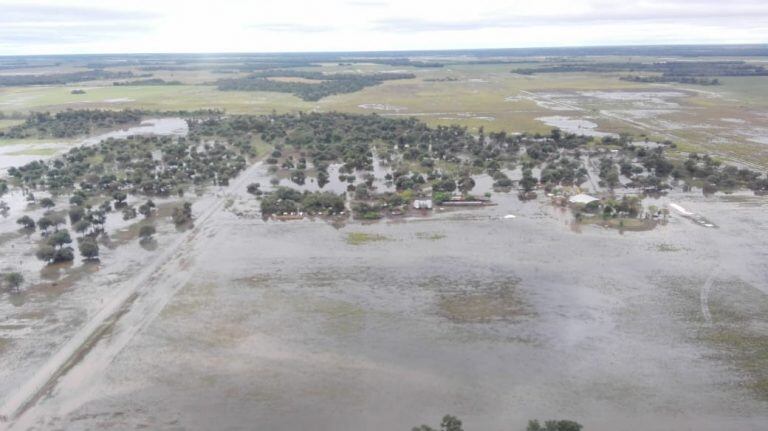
{"x": 170, "y": 97}
{"x": 4, "y": 124}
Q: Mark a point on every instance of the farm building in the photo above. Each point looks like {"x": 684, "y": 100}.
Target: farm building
{"x": 425, "y": 204}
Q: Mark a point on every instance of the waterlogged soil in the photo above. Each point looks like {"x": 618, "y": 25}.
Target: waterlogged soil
{"x": 289, "y": 325}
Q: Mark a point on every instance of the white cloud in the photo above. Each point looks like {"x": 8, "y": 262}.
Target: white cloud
{"x": 88, "y": 26}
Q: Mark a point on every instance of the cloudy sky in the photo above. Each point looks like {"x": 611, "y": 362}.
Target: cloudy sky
{"x": 112, "y": 26}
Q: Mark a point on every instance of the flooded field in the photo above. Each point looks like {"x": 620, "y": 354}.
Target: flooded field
{"x": 495, "y": 319}
{"x": 572, "y": 125}
{"x": 693, "y": 118}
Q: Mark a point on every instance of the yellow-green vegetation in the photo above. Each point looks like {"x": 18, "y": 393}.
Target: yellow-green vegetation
{"x": 432, "y": 236}
{"x": 158, "y": 97}
{"x": 261, "y": 148}
{"x": 621, "y": 223}
{"x": 35, "y": 152}
{"x": 748, "y": 350}
{"x": 360, "y": 238}
{"x": 34, "y": 141}
{"x": 6, "y": 123}
{"x": 494, "y": 305}
{"x": 340, "y": 317}
{"x": 735, "y": 331}
{"x": 668, "y": 248}
{"x": 739, "y": 313}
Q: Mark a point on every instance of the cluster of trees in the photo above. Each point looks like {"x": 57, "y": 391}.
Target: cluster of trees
{"x": 138, "y": 165}
{"x": 452, "y": 423}
{"x": 564, "y": 170}
{"x": 714, "y": 176}
{"x": 397, "y": 62}
{"x": 554, "y": 425}
{"x": 61, "y": 78}
{"x": 286, "y": 200}
{"x": 84, "y": 219}
{"x": 326, "y": 85}
{"x": 417, "y": 151}
{"x": 346, "y": 138}
{"x": 56, "y": 248}
{"x": 449, "y": 423}
{"x": 626, "y": 207}
{"x": 609, "y": 172}
{"x": 71, "y": 123}
{"x": 651, "y": 169}
{"x": 89, "y": 221}
{"x": 671, "y": 78}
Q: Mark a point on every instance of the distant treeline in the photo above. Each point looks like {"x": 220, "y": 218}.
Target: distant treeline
{"x": 328, "y": 84}
{"x": 498, "y": 61}
{"x": 172, "y": 68}
{"x": 667, "y": 78}
{"x": 261, "y": 66}
{"x": 394, "y": 62}
{"x": 61, "y": 78}
{"x": 171, "y": 60}
{"x": 24, "y": 65}
{"x": 151, "y": 81}
{"x": 446, "y": 79}
{"x": 668, "y": 68}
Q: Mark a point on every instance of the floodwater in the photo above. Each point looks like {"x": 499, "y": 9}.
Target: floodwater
{"x": 382, "y": 107}
{"x": 20, "y": 154}
{"x": 242, "y": 323}
{"x": 574, "y": 125}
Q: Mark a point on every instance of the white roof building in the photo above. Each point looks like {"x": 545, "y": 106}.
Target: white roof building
{"x": 582, "y": 199}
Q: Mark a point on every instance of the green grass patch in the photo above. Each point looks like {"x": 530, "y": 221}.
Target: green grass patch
{"x": 668, "y": 248}
{"x": 360, "y": 238}
{"x": 621, "y": 223}
{"x": 736, "y": 332}
{"x": 431, "y": 236}
{"x": 35, "y": 152}
{"x": 7, "y": 123}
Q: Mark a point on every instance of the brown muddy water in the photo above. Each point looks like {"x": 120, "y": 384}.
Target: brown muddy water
{"x": 242, "y": 323}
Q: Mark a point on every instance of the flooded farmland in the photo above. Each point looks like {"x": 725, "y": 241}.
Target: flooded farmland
{"x": 497, "y": 320}
{"x": 19, "y": 154}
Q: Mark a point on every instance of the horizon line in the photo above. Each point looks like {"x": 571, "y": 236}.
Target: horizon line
{"x": 396, "y": 51}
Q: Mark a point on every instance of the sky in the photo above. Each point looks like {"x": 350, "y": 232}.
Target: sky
{"x": 150, "y": 26}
